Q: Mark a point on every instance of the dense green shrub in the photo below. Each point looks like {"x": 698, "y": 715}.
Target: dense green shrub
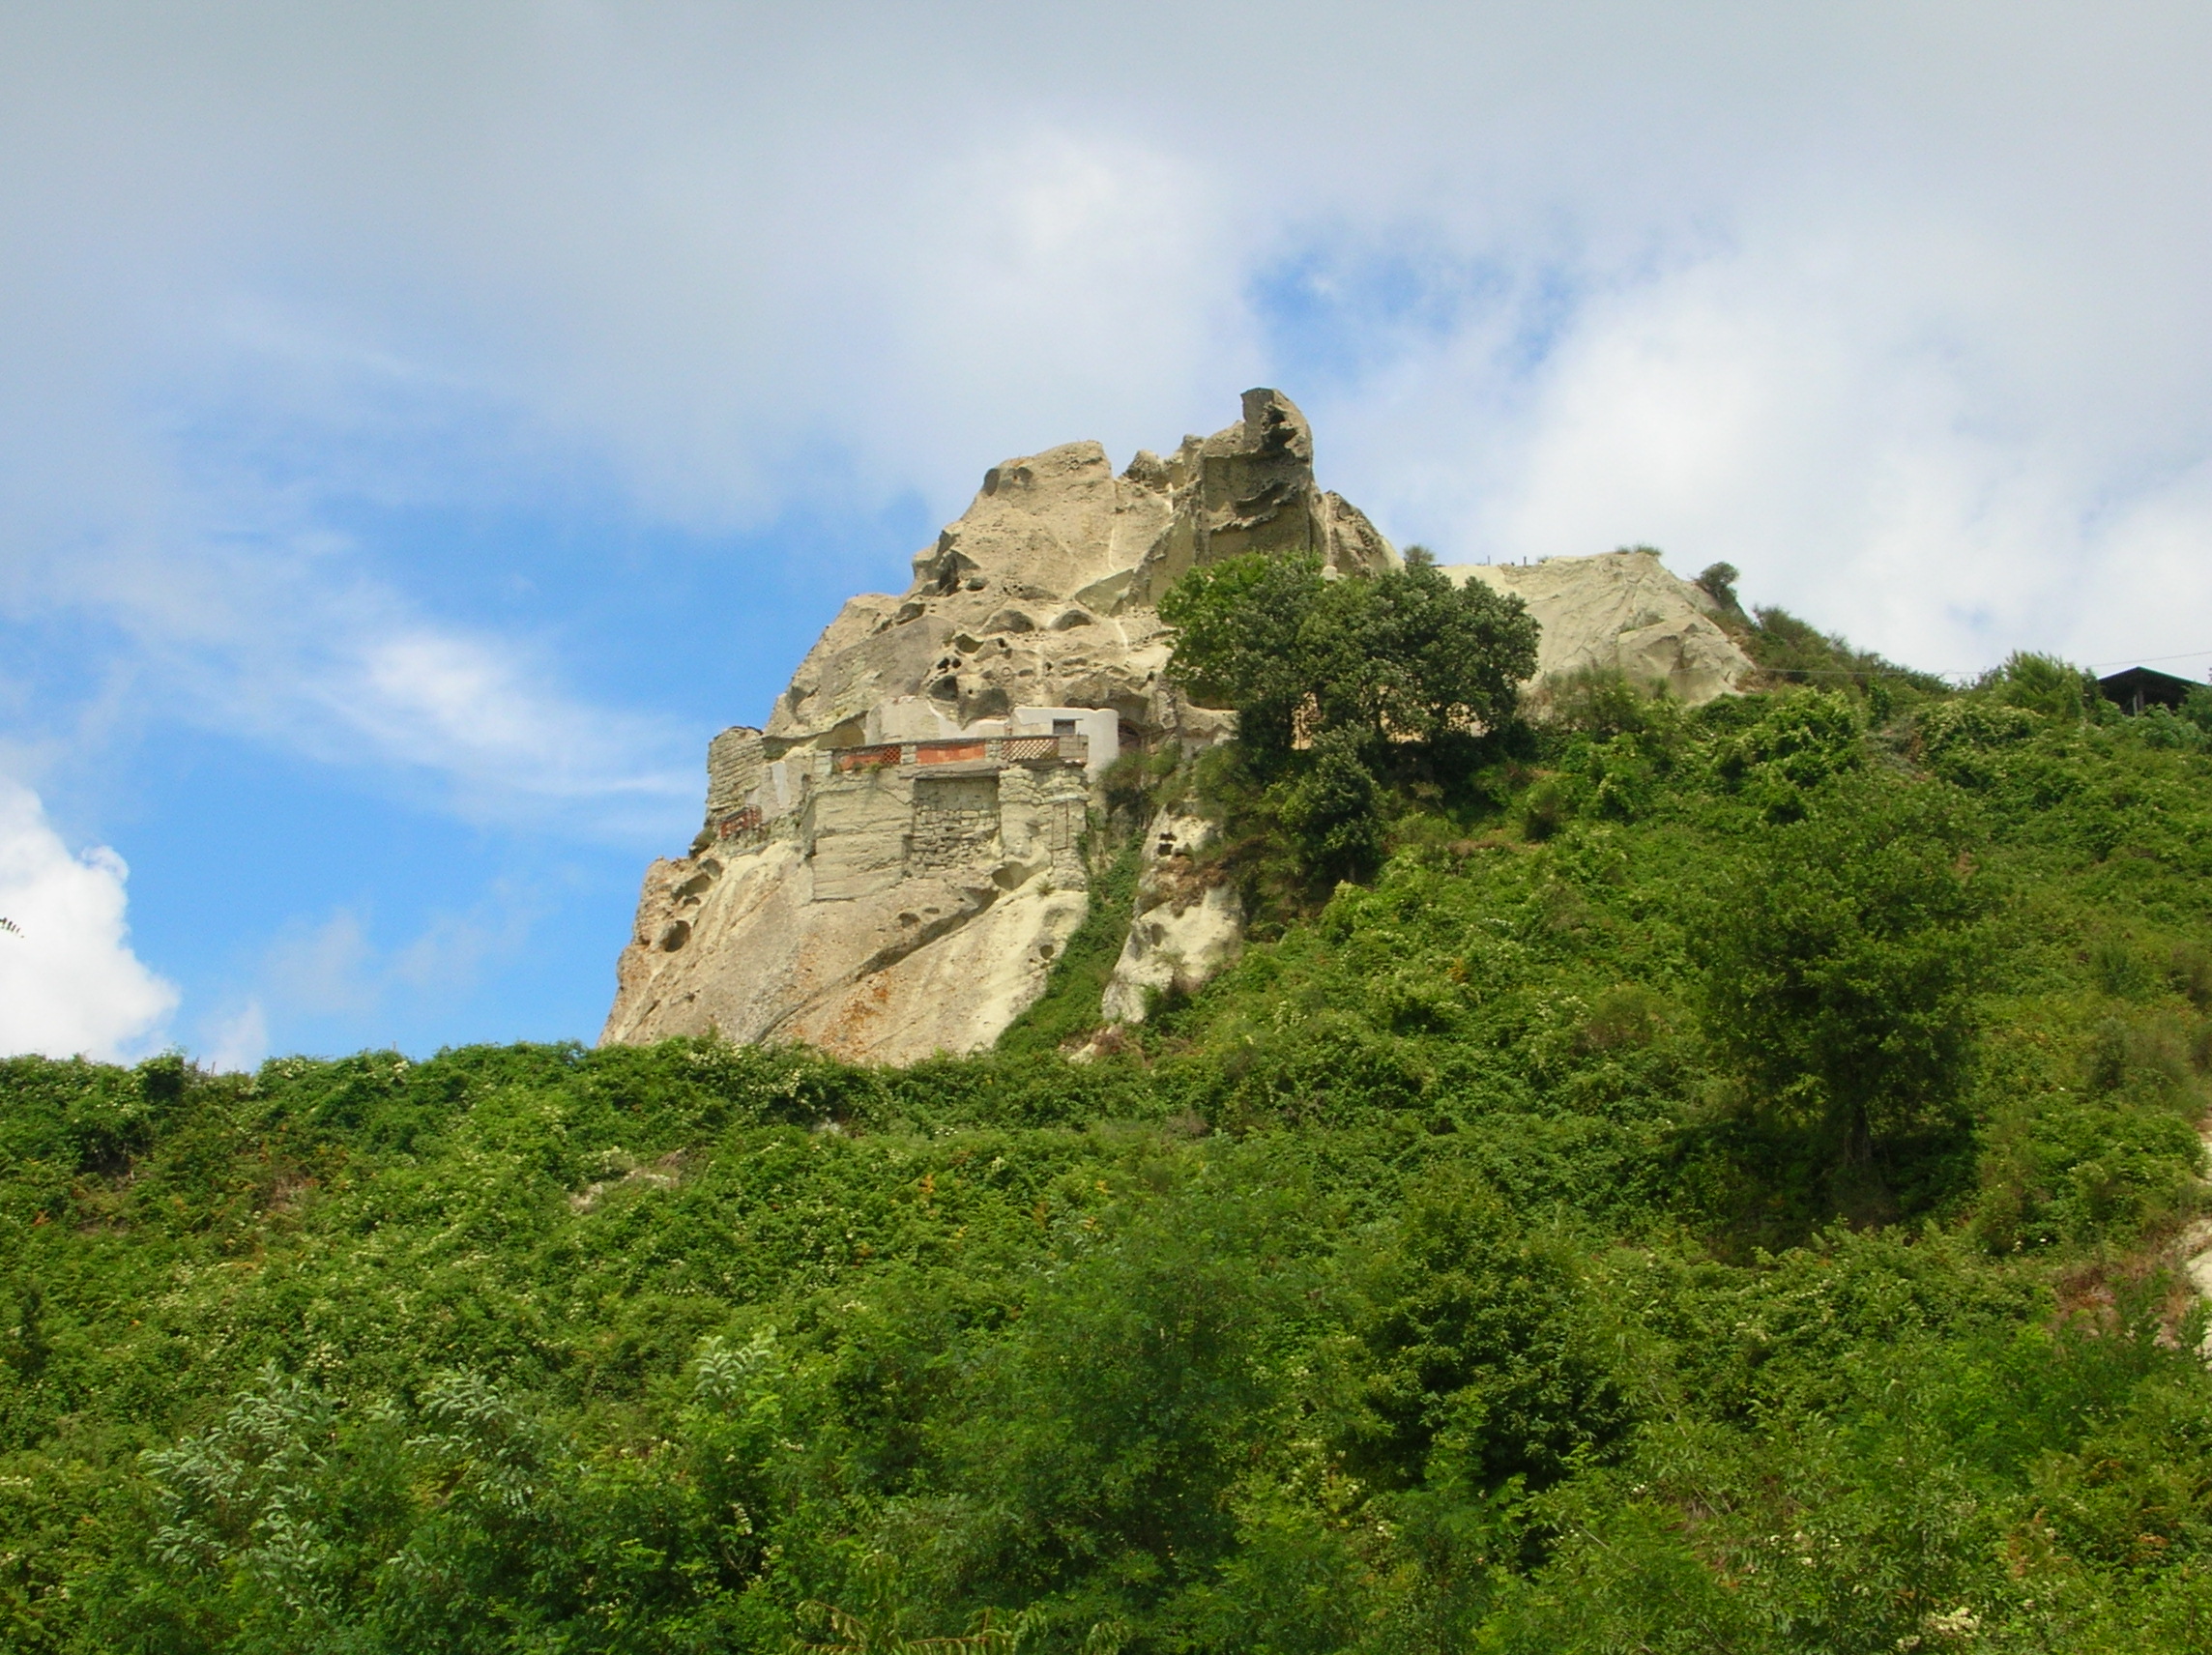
{"x": 2045, "y": 684}
{"x": 1841, "y": 963}
{"x": 1405, "y": 655}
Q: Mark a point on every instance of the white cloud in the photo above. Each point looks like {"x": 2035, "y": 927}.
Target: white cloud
{"x": 473, "y": 708}
{"x": 1868, "y": 454}
{"x": 69, "y": 981}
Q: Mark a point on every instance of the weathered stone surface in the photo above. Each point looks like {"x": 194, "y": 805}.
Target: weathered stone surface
{"x": 896, "y": 912}
{"x": 1625, "y": 611}
{"x": 1188, "y": 925}
{"x": 890, "y": 866}
{"x": 1249, "y": 488}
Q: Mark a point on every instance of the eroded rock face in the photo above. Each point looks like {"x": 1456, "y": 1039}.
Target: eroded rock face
{"x": 1188, "y": 925}
{"x": 890, "y": 866}
{"x": 1621, "y": 611}
{"x": 1043, "y": 593}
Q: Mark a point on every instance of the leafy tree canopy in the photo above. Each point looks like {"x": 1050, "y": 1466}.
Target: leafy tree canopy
{"x": 1406, "y": 656}
{"x": 1340, "y": 683}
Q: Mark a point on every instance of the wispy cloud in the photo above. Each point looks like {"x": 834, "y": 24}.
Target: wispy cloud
{"x": 1558, "y": 272}
{"x": 334, "y": 972}
{"x": 239, "y": 1041}
{"x": 323, "y": 969}
{"x": 264, "y": 623}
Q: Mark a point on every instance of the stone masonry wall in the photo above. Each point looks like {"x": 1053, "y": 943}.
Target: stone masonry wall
{"x": 955, "y": 820}
{"x": 735, "y": 762}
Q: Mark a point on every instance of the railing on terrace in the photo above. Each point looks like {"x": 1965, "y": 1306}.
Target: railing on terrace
{"x": 951, "y": 752}
{"x": 979, "y": 749}
{"x": 865, "y": 758}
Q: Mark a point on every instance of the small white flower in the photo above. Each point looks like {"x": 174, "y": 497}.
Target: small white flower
{"x": 1958, "y": 1623}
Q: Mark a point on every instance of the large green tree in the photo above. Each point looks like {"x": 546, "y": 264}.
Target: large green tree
{"x": 1402, "y": 656}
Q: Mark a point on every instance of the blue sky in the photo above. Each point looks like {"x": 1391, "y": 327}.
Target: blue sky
{"x": 422, "y": 427}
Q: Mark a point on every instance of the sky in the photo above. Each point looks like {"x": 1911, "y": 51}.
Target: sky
{"x": 422, "y": 426}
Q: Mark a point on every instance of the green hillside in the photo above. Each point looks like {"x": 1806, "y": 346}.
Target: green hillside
{"x": 1657, "y": 1181}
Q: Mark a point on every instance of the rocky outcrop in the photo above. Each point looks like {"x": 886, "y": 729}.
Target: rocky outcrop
{"x": 1621, "y": 611}
{"x": 1043, "y": 592}
{"x": 890, "y": 866}
{"x": 1188, "y": 925}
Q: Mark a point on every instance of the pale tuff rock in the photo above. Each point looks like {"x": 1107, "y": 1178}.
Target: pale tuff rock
{"x": 762, "y": 953}
{"x": 1621, "y": 611}
{"x": 1188, "y": 925}
{"x": 1250, "y": 489}
{"x": 889, "y": 867}
{"x": 1043, "y": 593}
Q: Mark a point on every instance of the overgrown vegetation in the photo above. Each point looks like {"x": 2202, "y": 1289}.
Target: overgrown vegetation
{"x": 1716, "y": 1184}
{"x": 1069, "y": 1005}
{"x": 1343, "y": 688}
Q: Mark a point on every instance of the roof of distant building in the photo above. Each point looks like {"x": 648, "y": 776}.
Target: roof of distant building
{"x": 2140, "y": 687}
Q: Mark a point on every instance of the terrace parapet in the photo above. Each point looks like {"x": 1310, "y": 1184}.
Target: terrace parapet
{"x": 991, "y": 751}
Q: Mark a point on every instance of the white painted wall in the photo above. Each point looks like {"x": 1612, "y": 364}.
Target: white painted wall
{"x": 1101, "y": 724}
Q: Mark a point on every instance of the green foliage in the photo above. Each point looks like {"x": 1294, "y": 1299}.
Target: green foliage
{"x": 1341, "y": 687}
{"x": 1719, "y": 583}
{"x": 1840, "y": 967}
{"x": 1800, "y": 743}
{"x": 1431, "y": 657}
{"x": 1250, "y": 634}
{"x": 1713, "y": 1181}
{"x": 1960, "y": 739}
{"x": 1793, "y": 651}
{"x": 1592, "y": 701}
{"x": 2196, "y": 707}
{"x": 1485, "y": 1361}
{"x": 1329, "y": 806}
{"x": 1069, "y": 1005}
{"x": 1405, "y": 655}
{"x": 2045, "y": 684}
